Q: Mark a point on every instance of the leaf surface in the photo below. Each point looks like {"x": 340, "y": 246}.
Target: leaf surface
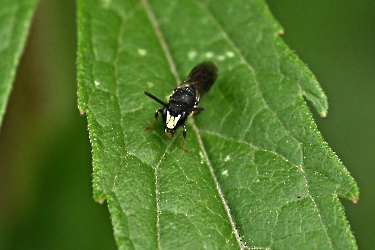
{"x": 15, "y": 20}
{"x": 258, "y": 173}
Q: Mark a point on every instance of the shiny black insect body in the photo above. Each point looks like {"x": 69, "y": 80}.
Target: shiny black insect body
{"x": 185, "y": 98}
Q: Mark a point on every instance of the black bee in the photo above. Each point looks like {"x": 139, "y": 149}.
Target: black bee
{"x": 185, "y": 98}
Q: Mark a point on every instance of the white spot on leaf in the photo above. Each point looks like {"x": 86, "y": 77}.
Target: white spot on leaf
{"x": 142, "y": 52}
{"x": 221, "y": 57}
{"x": 106, "y": 3}
{"x": 227, "y": 158}
{"x": 229, "y": 54}
{"x": 192, "y": 54}
{"x": 209, "y": 54}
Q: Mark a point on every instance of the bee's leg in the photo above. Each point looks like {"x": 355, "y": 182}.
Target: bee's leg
{"x": 156, "y": 117}
{"x": 183, "y": 139}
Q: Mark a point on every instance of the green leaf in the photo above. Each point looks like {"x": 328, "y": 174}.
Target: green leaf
{"x": 15, "y": 19}
{"x": 258, "y": 173}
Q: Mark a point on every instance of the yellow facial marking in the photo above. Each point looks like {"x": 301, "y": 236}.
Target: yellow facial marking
{"x": 171, "y": 121}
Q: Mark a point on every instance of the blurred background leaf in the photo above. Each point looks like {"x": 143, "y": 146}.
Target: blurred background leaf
{"x": 45, "y": 159}
{"x": 45, "y": 172}
{"x": 15, "y": 20}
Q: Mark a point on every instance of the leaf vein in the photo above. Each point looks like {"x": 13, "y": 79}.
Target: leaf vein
{"x": 247, "y": 64}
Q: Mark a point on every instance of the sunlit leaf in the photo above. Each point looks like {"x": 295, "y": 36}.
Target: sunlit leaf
{"x": 258, "y": 173}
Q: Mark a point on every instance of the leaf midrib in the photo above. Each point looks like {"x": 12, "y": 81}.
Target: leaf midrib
{"x": 172, "y": 66}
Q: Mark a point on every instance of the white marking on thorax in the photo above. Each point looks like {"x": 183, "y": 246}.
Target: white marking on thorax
{"x": 172, "y": 120}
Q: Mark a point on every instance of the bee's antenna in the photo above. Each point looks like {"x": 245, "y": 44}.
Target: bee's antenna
{"x": 155, "y": 98}
{"x": 195, "y": 109}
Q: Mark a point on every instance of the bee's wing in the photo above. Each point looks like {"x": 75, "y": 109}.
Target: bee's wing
{"x": 203, "y": 76}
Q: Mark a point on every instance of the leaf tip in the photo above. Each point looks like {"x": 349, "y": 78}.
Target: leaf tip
{"x": 355, "y": 200}
{"x": 281, "y": 32}
{"x": 324, "y": 115}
